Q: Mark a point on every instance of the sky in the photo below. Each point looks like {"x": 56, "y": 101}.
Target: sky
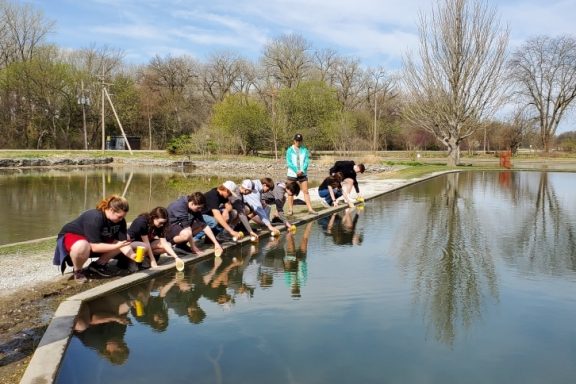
{"x": 377, "y": 32}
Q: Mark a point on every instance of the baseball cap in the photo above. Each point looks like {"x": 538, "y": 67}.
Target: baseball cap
{"x": 248, "y": 184}
{"x": 298, "y": 137}
{"x": 231, "y": 186}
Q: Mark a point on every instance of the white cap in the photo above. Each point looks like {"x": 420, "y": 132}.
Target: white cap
{"x": 248, "y": 184}
{"x": 231, "y": 186}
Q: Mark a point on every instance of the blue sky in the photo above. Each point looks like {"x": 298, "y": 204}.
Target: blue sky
{"x": 376, "y": 32}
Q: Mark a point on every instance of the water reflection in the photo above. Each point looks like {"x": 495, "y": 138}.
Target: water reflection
{"x": 341, "y": 226}
{"x": 448, "y": 253}
{"x": 101, "y": 326}
{"x": 545, "y": 239}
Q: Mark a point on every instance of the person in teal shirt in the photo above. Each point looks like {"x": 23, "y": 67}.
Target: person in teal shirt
{"x": 297, "y": 160}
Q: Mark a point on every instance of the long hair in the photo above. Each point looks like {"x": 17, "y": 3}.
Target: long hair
{"x": 156, "y": 213}
{"x": 115, "y": 203}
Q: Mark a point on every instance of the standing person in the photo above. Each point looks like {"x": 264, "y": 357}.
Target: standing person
{"x": 330, "y": 190}
{"x": 278, "y": 195}
{"x": 297, "y": 160}
{"x": 349, "y": 170}
{"x": 150, "y": 229}
{"x": 100, "y": 233}
{"x": 185, "y": 218}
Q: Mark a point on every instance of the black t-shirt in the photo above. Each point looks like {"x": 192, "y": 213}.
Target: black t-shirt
{"x": 348, "y": 172}
{"x": 96, "y": 228}
{"x": 213, "y": 201}
{"x": 329, "y": 181}
{"x": 140, "y": 227}
{"x": 179, "y": 213}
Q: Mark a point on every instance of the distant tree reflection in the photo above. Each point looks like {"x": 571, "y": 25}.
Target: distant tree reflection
{"x": 546, "y": 238}
{"x": 448, "y": 252}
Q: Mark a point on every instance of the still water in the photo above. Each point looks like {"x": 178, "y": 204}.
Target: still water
{"x": 464, "y": 278}
{"x": 39, "y": 203}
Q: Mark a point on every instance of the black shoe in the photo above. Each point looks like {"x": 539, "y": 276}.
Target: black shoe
{"x": 100, "y": 269}
{"x": 276, "y": 220}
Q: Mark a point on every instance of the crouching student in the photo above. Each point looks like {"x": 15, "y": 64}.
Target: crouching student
{"x": 252, "y": 191}
{"x": 349, "y": 170}
{"x": 239, "y": 205}
{"x": 330, "y": 190}
{"x": 218, "y": 212}
{"x": 99, "y": 233}
{"x": 185, "y": 220}
{"x": 278, "y": 195}
{"x": 149, "y": 230}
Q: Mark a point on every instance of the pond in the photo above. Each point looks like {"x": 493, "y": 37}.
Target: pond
{"x": 39, "y": 203}
{"x": 467, "y": 277}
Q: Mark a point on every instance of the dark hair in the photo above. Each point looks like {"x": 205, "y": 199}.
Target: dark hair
{"x": 335, "y": 180}
{"x": 197, "y": 198}
{"x": 156, "y": 213}
{"x": 362, "y": 167}
{"x": 115, "y": 203}
{"x": 268, "y": 182}
{"x": 293, "y": 187}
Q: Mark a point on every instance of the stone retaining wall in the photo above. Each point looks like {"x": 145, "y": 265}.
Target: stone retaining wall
{"x": 57, "y": 162}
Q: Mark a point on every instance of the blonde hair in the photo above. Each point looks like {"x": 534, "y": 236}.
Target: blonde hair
{"x": 115, "y": 203}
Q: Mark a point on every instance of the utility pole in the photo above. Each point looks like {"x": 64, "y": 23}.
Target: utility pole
{"x": 102, "y": 117}
{"x": 84, "y": 100}
{"x": 105, "y": 95}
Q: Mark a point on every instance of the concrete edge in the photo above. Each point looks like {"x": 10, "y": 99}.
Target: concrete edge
{"x": 45, "y": 362}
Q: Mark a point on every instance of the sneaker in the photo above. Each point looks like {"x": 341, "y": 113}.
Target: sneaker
{"x": 100, "y": 269}
{"x": 324, "y": 203}
{"x": 80, "y": 277}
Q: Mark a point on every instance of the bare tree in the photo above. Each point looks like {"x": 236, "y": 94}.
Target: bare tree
{"x": 324, "y": 63}
{"x": 545, "y": 71}
{"x": 459, "y": 77}
{"x": 22, "y": 29}
{"x": 287, "y": 59}
{"x": 171, "y": 78}
{"x": 222, "y": 71}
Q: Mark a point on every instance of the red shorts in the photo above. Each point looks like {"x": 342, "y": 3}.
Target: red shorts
{"x": 70, "y": 239}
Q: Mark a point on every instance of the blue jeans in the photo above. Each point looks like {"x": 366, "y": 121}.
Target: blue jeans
{"x": 325, "y": 194}
{"x": 210, "y": 222}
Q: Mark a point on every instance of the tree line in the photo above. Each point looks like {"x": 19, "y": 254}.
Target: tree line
{"x": 446, "y": 95}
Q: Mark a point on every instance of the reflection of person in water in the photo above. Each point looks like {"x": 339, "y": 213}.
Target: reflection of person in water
{"x": 342, "y": 228}
{"x": 216, "y": 281}
{"x": 154, "y": 310}
{"x": 101, "y": 325}
{"x": 295, "y": 268}
{"x": 183, "y": 297}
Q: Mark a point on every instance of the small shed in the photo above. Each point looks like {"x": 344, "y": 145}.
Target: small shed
{"x": 117, "y": 143}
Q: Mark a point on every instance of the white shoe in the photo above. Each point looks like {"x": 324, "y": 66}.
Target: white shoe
{"x": 324, "y": 203}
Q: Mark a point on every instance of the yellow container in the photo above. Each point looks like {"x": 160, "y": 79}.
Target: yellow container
{"x": 179, "y": 265}
{"x": 140, "y": 254}
{"x": 139, "y": 308}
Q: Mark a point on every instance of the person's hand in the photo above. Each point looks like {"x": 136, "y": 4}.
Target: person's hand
{"x": 335, "y": 203}
{"x": 254, "y": 235}
{"x": 123, "y": 243}
{"x": 299, "y": 173}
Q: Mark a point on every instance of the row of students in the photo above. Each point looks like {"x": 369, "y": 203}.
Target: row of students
{"x": 102, "y": 233}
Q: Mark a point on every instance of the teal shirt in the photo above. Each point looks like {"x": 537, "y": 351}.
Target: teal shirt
{"x": 297, "y": 160}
